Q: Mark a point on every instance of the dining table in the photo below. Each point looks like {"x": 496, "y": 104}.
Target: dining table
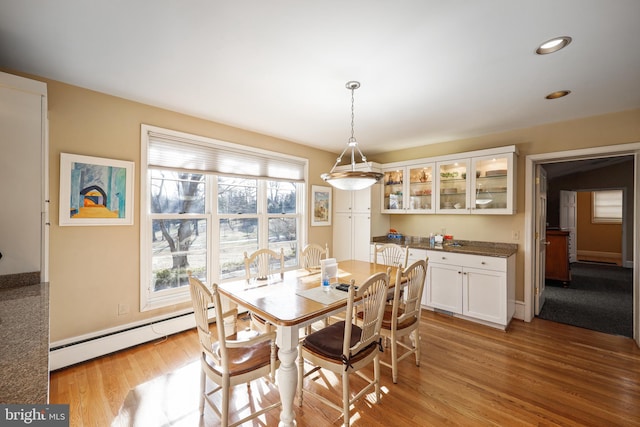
{"x": 293, "y": 301}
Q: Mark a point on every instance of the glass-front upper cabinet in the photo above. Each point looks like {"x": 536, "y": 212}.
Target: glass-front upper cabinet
{"x": 420, "y": 189}
{"x": 452, "y": 181}
{"x": 408, "y": 189}
{"x": 492, "y": 184}
{"x": 480, "y": 182}
{"x": 393, "y": 190}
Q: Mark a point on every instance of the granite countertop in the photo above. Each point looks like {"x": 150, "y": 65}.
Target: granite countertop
{"x": 24, "y": 343}
{"x": 471, "y": 247}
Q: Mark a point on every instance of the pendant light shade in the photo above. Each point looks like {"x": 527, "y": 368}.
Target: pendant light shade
{"x": 357, "y": 178}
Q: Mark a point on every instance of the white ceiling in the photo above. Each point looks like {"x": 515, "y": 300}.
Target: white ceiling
{"x": 431, "y": 70}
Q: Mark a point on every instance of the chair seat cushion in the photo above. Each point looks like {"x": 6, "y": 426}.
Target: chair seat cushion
{"x": 328, "y": 341}
{"x": 245, "y": 359}
{"x": 388, "y": 314}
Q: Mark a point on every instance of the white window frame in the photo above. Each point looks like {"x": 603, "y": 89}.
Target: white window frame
{"x": 150, "y": 300}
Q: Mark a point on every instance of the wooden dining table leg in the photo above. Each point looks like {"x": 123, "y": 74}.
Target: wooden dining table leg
{"x": 287, "y": 375}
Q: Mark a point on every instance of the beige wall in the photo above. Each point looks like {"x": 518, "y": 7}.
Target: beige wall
{"x": 610, "y": 129}
{"x": 93, "y": 269}
{"x": 593, "y": 237}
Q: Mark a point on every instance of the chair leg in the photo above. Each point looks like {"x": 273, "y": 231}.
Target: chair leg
{"x": 272, "y": 374}
{"x": 416, "y": 344}
{"x": 345, "y": 398}
{"x": 376, "y": 375}
{"x": 394, "y": 358}
{"x": 203, "y": 383}
{"x": 224, "y": 419}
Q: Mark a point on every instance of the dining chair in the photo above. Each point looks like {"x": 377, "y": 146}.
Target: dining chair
{"x": 311, "y": 255}
{"x": 228, "y": 360}
{"x": 402, "y": 317}
{"x": 263, "y": 264}
{"x": 391, "y": 254}
{"x": 345, "y": 348}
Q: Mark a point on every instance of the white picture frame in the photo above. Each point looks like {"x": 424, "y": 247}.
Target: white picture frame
{"x": 95, "y": 191}
{"x": 320, "y": 205}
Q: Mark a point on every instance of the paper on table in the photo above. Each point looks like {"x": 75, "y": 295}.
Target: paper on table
{"x": 323, "y": 297}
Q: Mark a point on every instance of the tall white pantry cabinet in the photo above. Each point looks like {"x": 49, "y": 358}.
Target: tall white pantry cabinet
{"x": 357, "y": 218}
{"x": 23, "y": 176}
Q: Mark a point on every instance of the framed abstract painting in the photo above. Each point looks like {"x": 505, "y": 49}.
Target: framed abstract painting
{"x": 95, "y": 191}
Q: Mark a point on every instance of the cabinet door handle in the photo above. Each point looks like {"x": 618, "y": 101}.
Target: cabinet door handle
{"x": 483, "y": 263}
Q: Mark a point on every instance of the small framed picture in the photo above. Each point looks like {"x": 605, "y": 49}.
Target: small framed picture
{"x": 95, "y": 191}
{"x": 320, "y": 205}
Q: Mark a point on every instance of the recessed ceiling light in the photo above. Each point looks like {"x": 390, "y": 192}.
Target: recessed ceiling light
{"x": 558, "y": 94}
{"x": 553, "y": 45}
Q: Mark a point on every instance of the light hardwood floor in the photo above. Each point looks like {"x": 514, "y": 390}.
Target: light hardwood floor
{"x": 538, "y": 373}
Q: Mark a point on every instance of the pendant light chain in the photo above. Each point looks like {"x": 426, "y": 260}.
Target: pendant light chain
{"x": 352, "y": 179}
{"x": 352, "y": 112}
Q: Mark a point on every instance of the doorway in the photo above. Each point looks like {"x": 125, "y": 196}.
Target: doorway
{"x": 569, "y": 163}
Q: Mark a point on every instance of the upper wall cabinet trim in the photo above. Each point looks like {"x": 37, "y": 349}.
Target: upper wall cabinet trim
{"x": 23, "y": 84}
{"x": 478, "y": 153}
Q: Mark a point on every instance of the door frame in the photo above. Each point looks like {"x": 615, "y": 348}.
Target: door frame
{"x": 531, "y": 161}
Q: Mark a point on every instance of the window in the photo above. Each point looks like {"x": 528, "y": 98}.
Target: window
{"x": 607, "y": 207}
{"x": 198, "y": 216}
{"x": 243, "y": 229}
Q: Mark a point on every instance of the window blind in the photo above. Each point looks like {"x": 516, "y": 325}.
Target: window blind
{"x": 607, "y": 206}
{"x": 222, "y": 158}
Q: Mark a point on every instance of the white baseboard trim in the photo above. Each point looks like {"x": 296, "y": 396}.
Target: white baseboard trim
{"x": 519, "y": 313}
{"x": 78, "y": 349}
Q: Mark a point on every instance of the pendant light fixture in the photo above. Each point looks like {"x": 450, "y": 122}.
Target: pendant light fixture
{"x": 352, "y": 179}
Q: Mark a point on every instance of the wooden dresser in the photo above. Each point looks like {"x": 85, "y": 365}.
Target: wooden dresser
{"x": 557, "y": 259}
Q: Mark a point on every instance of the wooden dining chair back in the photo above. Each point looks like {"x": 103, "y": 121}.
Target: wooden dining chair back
{"x": 264, "y": 263}
{"x": 311, "y": 255}
{"x": 227, "y": 360}
{"x": 391, "y": 254}
{"x": 345, "y": 348}
{"x": 402, "y": 318}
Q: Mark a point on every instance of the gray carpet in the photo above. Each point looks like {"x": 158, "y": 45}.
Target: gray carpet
{"x": 599, "y": 297}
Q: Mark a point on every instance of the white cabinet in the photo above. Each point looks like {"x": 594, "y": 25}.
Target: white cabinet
{"x": 23, "y": 172}
{"x": 408, "y": 189}
{"x": 478, "y": 182}
{"x": 453, "y": 184}
{"x": 416, "y": 255}
{"x": 484, "y": 295}
{"x": 444, "y": 287}
{"x": 493, "y": 181}
{"x": 479, "y": 288}
{"x": 357, "y": 218}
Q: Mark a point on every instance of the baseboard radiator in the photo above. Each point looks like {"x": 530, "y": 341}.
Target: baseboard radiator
{"x": 79, "y": 349}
